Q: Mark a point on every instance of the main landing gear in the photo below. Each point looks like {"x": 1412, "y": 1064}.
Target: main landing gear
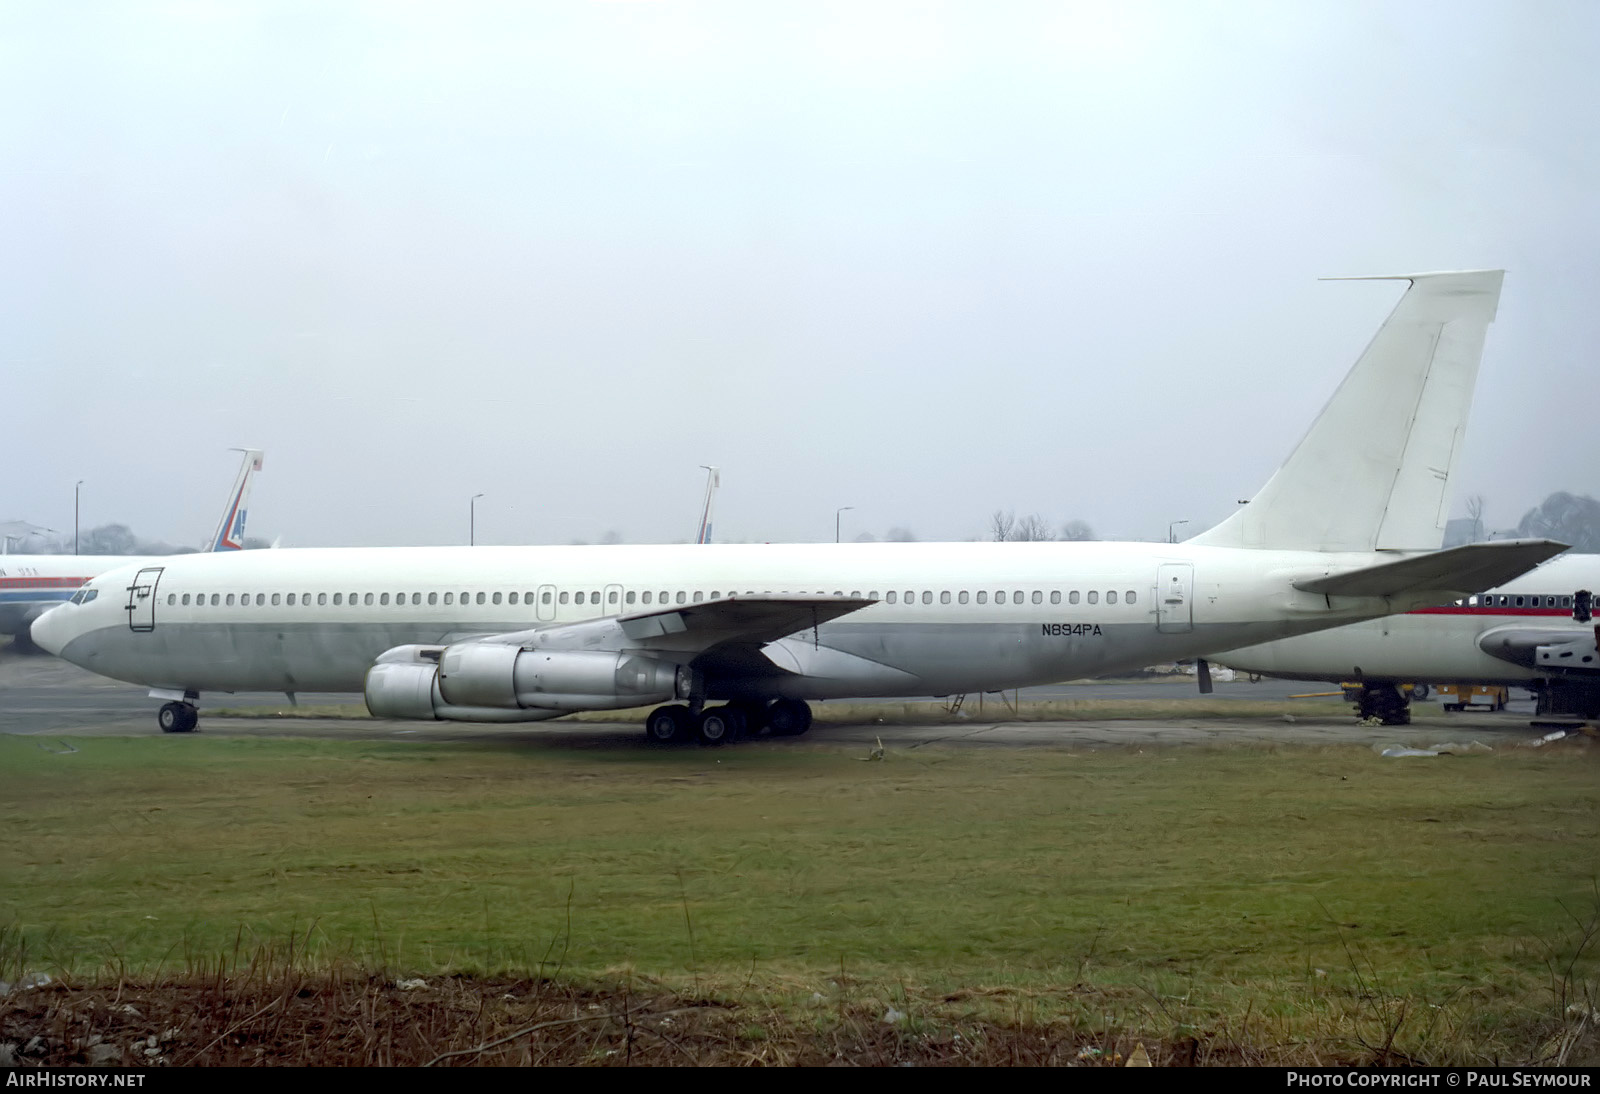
{"x": 1385, "y": 703}
{"x": 178, "y": 718}
{"x": 728, "y": 722}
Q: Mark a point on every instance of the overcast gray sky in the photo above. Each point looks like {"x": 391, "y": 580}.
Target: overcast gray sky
{"x": 925, "y": 260}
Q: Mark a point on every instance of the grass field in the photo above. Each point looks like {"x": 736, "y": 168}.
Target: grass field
{"x": 1301, "y": 903}
{"x": 932, "y": 712}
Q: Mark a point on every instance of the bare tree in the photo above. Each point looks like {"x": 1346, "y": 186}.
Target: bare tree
{"x": 1475, "y": 514}
{"x": 901, "y": 535}
{"x": 1032, "y": 528}
{"x": 1001, "y": 525}
{"x": 1077, "y": 531}
{"x": 1566, "y": 517}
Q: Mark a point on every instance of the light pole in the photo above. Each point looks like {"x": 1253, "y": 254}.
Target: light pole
{"x": 840, "y": 510}
{"x": 472, "y": 520}
{"x": 75, "y": 516}
{"x": 1171, "y": 538}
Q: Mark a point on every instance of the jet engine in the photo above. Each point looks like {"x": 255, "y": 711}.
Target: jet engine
{"x": 489, "y": 682}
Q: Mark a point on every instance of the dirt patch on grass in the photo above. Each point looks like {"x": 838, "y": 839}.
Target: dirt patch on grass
{"x": 329, "y": 1019}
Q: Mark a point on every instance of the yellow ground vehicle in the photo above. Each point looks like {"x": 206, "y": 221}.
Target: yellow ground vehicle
{"x": 1473, "y": 696}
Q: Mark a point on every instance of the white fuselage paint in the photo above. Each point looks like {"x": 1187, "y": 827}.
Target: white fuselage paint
{"x": 31, "y": 585}
{"x": 1435, "y": 645}
{"x": 940, "y": 640}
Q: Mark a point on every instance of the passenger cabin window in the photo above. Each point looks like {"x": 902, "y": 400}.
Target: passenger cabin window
{"x": 646, "y": 598}
{"x": 893, "y": 597}
{"x": 1130, "y": 597}
{"x": 291, "y": 600}
{"x": 631, "y": 597}
{"x": 277, "y": 598}
{"x": 1111, "y": 597}
{"x": 172, "y": 599}
{"x": 983, "y": 596}
{"x": 495, "y": 598}
{"x": 433, "y": 598}
{"x": 367, "y": 599}
{"x": 962, "y": 598}
{"x": 383, "y": 600}
{"x": 578, "y": 598}
{"x": 186, "y": 599}
{"x": 513, "y": 598}
{"x": 1094, "y": 598}
{"x": 1038, "y": 597}
{"x": 338, "y": 599}
{"x": 927, "y": 597}
{"x": 545, "y": 597}
{"x": 699, "y": 596}
{"x": 230, "y": 600}
{"x": 1055, "y": 596}
{"x": 999, "y": 596}
{"x": 1072, "y": 597}
{"x": 944, "y": 598}
{"x": 680, "y": 596}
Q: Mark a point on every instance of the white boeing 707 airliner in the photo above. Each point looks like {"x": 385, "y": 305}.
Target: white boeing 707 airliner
{"x": 31, "y": 585}
{"x": 1348, "y": 529}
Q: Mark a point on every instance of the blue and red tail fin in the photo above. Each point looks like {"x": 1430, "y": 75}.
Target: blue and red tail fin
{"x": 230, "y": 531}
{"x": 713, "y": 480}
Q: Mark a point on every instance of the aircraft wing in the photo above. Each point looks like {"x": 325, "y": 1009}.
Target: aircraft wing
{"x": 734, "y": 623}
{"x": 1469, "y": 569}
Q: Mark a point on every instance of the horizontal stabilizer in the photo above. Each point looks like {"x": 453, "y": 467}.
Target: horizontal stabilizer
{"x": 1469, "y": 569}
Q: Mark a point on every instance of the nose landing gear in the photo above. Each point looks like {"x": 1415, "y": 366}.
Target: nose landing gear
{"x": 178, "y": 718}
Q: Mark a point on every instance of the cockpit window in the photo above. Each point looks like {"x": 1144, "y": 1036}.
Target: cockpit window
{"x": 83, "y": 596}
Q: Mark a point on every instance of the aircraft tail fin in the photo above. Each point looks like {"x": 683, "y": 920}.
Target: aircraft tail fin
{"x": 713, "y": 480}
{"x": 1373, "y": 473}
{"x": 229, "y": 535}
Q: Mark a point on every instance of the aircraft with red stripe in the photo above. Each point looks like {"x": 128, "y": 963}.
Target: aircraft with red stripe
{"x": 1523, "y": 634}
{"x": 31, "y": 585}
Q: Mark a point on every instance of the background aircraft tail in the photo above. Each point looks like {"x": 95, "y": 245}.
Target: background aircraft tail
{"x": 713, "y": 480}
{"x": 230, "y": 531}
{"x": 1374, "y": 471}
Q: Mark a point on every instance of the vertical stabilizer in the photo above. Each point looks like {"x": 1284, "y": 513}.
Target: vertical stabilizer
{"x": 230, "y": 530}
{"x": 1374, "y": 471}
{"x": 713, "y": 480}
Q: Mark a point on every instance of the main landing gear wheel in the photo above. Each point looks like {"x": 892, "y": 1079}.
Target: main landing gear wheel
{"x": 719, "y": 725}
{"x": 177, "y": 718}
{"x": 667, "y": 725}
{"x": 754, "y": 715}
{"x": 788, "y": 717}
{"x": 1385, "y": 703}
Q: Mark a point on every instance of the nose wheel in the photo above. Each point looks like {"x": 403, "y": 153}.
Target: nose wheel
{"x": 177, "y": 718}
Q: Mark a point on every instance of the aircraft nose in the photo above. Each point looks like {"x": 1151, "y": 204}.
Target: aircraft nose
{"x": 53, "y": 630}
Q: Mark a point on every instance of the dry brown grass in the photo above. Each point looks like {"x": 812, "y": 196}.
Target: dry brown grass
{"x": 336, "y": 1018}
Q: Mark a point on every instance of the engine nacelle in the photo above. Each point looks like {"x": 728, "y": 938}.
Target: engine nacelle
{"x": 484, "y": 674}
{"x": 409, "y": 691}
